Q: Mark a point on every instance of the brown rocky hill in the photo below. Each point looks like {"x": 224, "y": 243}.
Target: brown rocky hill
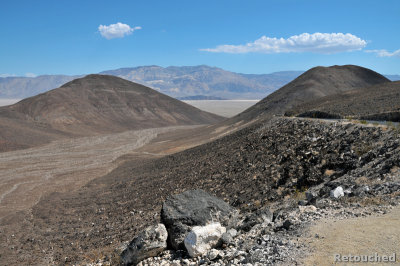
{"x": 266, "y": 164}
{"x": 94, "y": 104}
{"x": 313, "y": 84}
{"x": 374, "y": 101}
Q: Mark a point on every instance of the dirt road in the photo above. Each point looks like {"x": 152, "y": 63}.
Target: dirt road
{"x": 358, "y": 236}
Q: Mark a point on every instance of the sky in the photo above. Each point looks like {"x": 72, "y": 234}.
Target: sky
{"x": 81, "y": 37}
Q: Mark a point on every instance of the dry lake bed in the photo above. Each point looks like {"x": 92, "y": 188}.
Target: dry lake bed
{"x": 227, "y": 108}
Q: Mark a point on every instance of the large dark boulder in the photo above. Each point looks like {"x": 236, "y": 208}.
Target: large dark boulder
{"x": 192, "y": 208}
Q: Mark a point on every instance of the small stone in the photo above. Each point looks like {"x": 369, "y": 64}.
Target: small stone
{"x": 337, "y": 192}
{"x": 309, "y": 208}
{"x": 213, "y": 254}
{"x": 302, "y": 202}
{"x": 286, "y": 224}
{"x": 310, "y": 195}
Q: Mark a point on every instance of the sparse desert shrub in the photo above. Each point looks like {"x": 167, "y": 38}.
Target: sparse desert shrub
{"x": 362, "y": 149}
{"x": 299, "y": 193}
{"x": 364, "y": 122}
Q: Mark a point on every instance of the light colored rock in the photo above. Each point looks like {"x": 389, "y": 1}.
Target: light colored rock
{"x": 203, "y": 238}
{"x": 149, "y": 243}
{"x": 213, "y": 254}
{"x": 309, "y": 208}
{"x": 337, "y": 192}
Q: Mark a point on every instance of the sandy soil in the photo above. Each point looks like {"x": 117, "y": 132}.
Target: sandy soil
{"x": 27, "y": 175}
{"x": 358, "y": 236}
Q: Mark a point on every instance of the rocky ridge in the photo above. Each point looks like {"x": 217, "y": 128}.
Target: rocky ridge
{"x": 266, "y": 238}
{"x": 270, "y": 167}
{"x": 379, "y": 102}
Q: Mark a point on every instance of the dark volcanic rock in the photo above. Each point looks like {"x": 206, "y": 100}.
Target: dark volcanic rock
{"x": 149, "y": 243}
{"x": 379, "y": 102}
{"x": 261, "y": 166}
{"x": 193, "y": 208}
{"x": 258, "y": 217}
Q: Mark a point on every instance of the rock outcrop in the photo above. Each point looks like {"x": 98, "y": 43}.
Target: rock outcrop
{"x": 180, "y": 213}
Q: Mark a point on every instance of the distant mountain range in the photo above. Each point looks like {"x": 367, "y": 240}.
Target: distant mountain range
{"x": 177, "y": 82}
{"x": 393, "y": 77}
{"x": 205, "y": 80}
{"x": 200, "y": 82}
{"x": 23, "y": 87}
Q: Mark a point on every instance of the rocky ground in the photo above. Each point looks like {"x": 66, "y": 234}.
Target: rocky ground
{"x": 379, "y": 102}
{"x": 272, "y": 243}
{"x": 289, "y": 167}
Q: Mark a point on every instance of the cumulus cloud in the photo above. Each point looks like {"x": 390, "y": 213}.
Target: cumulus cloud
{"x": 326, "y": 43}
{"x": 7, "y": 75}
{"x": 384, "y": 53}
{"x": 117, "y": 30}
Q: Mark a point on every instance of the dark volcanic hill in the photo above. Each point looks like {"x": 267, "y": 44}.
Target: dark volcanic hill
{"x": 92, "y": 105}
{"x": 315, "y": 83}
{"x": 365, "y": 102}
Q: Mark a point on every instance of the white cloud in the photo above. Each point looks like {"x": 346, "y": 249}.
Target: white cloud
{"x": 384, "y": 53}
{"x": 117, "y": 30}
{"x": 326, "y": 43}
{"x": 30, "y": 75}
{"x": 174, "y": 90}
{"x": 7, "y": 75}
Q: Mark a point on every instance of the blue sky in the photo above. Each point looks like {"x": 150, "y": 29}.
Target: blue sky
{"x": 66, "y": 37}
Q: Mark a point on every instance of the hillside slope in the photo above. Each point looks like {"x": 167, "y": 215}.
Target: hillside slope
{"x": 95, "y": 104}
{"x": 315, "y": 83}
{"x": 373, "y": 100}
{"x": 263, "y": 165}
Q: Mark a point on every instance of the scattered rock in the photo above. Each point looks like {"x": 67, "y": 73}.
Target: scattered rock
{"x": 180, "y": 213}
{"x": 149, "y": 243}
{"x": 302, "y": 202}
{"x": 260, "y": 216}
{"x": 337, "y": 192}
{"x": 203, "y": 238}
{"x": 213, "y": 254}
{"x": 311, "y": 196}
{"x": 309, "y": 208}
{"x": 227, "y": 237}
{"x": 287, "y": 223}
